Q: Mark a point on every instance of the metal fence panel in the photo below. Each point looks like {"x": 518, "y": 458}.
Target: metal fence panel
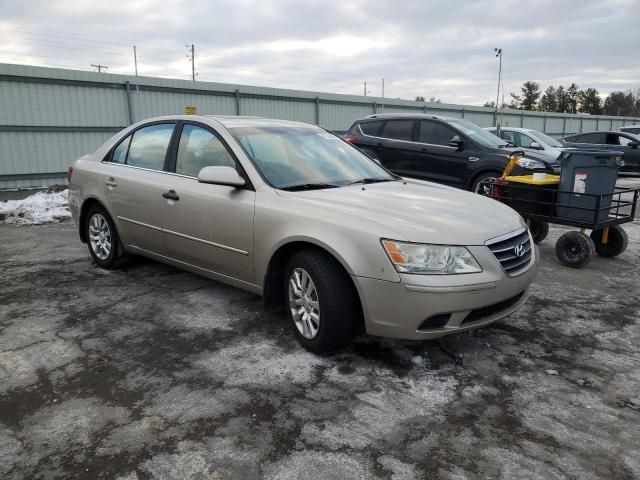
{"x": 49, "y": 116}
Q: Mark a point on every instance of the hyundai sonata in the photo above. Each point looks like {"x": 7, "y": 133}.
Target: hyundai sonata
{"x": 296, "y": 214}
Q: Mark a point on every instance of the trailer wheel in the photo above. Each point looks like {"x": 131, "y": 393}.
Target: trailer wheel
{"x": 575, "y": 249}
{"x": 616, "y": 243}
{"x": 539, "y": 230}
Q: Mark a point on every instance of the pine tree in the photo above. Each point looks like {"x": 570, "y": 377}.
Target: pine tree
{"x": 562, "y": 100}
{"x": 590, "y": 101}
{"x": 548, "y": 101}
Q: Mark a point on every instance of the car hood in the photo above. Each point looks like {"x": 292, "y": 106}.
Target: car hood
{"x": 540, "y": 155}
{"x": 416, "y": 211}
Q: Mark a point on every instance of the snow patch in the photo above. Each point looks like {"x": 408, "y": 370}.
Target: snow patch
{"x": 41, "y": 207}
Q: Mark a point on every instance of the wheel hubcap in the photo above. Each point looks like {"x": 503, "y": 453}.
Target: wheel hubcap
{"x": 304, "y": 304}
{"x": 484, "y": 187}
{"x": 100, "y": 236}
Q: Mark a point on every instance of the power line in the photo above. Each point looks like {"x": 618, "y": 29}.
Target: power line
{"x": 85, "y": 39}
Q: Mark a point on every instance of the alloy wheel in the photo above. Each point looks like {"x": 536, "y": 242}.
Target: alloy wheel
{"x": 484, "y": 187}
{"x": 100, "y": 236}
{"x": 304, "y": 303}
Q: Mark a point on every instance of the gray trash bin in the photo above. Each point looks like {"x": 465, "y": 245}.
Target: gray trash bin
{"x": 586, "y": 171}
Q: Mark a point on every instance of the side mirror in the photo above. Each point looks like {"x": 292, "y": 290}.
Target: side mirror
{"x": 456, "y": 142}
{"x": 536, "y": 146}
{"x": 221, "y": 176}
{"x": 633, "y": 144}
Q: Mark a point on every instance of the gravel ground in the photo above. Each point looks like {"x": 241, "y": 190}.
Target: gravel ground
{"x": 154, "y": 373}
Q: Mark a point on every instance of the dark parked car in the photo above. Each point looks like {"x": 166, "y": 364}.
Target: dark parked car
{"x": 446, "y": 150}
{"x": 635, "y": 129}
{"x": 619, "y": 141}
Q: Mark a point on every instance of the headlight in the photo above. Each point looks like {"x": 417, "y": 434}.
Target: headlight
{"x": 530, "y": 164}
{"x": 427, "y": 259}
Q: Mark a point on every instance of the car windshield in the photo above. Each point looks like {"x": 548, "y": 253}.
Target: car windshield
{"x": 547, "y": 140}
{"x": 307, "y": 158}
{"x": 478, "y": 134}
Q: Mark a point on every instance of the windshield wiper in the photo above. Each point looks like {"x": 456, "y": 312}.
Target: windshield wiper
{"x": 308, "y": 186}
{"x": 372, "y": 180}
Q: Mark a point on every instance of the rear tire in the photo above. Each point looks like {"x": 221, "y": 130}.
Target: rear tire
{"x": 539, "y": 230}
{"x": 476, "y": 185}
{"x": 575, "y": 249}
{"x": 616, "y": 244}
{"x": 103, "y": 240}
{"x": 320, "y": 300}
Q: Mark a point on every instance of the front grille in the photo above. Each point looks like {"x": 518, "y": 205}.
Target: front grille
{"x": 485, "y": 312}
{"x": 513, "y": 252}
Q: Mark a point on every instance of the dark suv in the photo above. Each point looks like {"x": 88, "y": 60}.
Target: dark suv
{"x": 626, "y": 143}
{"x": 446, "y": 150}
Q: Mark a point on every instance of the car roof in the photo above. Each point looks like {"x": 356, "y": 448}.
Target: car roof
{"x": 231, "y": 121}
{"x": 513, "y": 129}
{"x": 410, "y": 116}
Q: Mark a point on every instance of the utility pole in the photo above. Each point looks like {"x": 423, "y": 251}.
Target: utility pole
{"x": 100, "y": 67}
{"x": 135, "y": 59}
{"x": 498, "y": 54}
{"x": 193, "y": 61}
{"x": 382, "y": 104}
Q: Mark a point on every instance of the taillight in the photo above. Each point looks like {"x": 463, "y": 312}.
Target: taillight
{"x": 350, "y": 138}
{"x": 69, "y": 173}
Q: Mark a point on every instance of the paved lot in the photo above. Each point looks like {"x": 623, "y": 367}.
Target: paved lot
{"x": 153, "y": 373}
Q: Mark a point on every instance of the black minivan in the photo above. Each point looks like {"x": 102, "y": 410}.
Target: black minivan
{"x": 453, "y": 151}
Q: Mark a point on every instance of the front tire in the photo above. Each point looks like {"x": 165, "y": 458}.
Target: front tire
{"x": 479, "y": 186}
{"x": 103, "y": 239}
{"x": 575, "y": 249}
{"x": 320, "y": 301}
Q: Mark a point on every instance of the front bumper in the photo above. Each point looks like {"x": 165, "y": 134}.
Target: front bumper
{"x": 399, "y": 310}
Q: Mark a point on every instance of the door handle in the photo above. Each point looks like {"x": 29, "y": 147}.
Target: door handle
{"x": 473, "y": 159}
{"x": 171, "y": 195}
{"x": 111, "y": 182}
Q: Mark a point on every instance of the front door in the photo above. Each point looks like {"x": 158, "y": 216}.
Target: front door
{"x": 208, "y": 226}
{"x": 441, "y": 162}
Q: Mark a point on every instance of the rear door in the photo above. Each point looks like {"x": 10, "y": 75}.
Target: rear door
{"x": 133, "y": 181}
{"x": 435, "y": 160}
{"x": 397, "y": 147}
{"x": 208, "y": 226}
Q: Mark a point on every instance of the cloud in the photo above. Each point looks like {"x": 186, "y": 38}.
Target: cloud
{"x": 437, "y": 48}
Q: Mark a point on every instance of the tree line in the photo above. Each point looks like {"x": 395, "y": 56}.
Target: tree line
{"x": 573, "y": 100}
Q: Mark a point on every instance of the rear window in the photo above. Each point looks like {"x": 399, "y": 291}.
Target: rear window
{"x": 586, "y": 138}
{"x": 371, "y": 128}
{"x": 398, "y": 130}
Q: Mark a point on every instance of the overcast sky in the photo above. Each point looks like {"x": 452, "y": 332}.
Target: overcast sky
{"x": 432, "y": 48}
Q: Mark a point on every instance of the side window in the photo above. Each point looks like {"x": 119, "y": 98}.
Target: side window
{"x": 612, "y": 139}
{"x": 435, "y": 133}
{"x": 149, "y": 146}
{"x": 586, "y": 138}
{"x": 398, "y": 130}
{"x": 624, "y": 141}
{"x": 510, "y": 137}
{"x": 199, "y": 148}
{"x": 524, "y": 141}
{"x": 371, "y": 128}
{"x": 120, "y": 153}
